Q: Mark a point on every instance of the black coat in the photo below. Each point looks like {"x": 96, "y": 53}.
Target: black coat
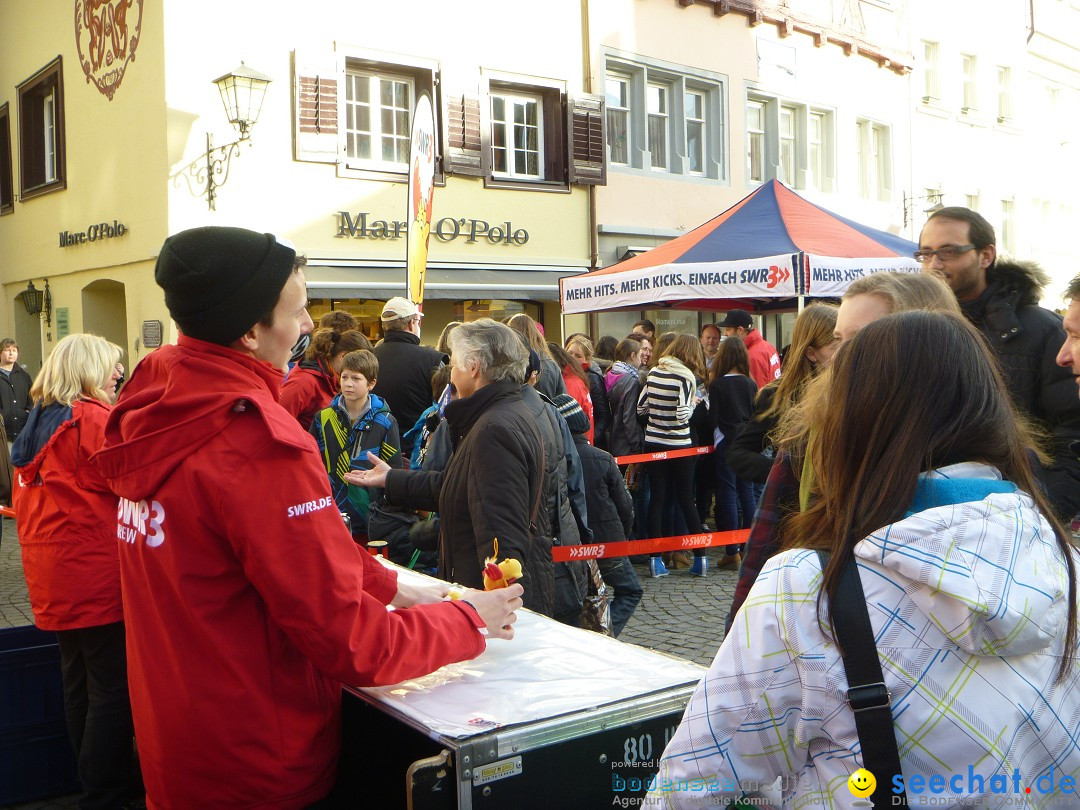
{"x": 731, "y": 404}
{"x": 611, "y": 508}
{"x": 405, "y": 377}
{"x": 488, "y": 490}
{"x": 1026, "y": 339}
{"x": 750, "y": 456}
{"x": 625, "y": 434}
{"x": 565, "y": 522}
{"x": 600, "y": 407}
{"x": 15, "y": 400}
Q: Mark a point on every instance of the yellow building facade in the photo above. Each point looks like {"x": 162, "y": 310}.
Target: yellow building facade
{"x": 114, "y": 124}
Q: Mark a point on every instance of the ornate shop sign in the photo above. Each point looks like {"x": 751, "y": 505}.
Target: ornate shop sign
{"x": 107, "y": 33}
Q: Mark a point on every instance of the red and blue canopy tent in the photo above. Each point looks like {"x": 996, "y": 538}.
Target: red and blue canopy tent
{"x": 769, "y": 249}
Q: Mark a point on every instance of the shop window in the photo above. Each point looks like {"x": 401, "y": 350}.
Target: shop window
{"x": 7, "y": 194}
{"x": 496, "y": 309}
{"x": 41, "y": 131}
{"x": 366, "y": 312}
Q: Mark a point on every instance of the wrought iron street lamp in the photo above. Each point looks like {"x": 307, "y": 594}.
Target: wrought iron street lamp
{"x": 242, "y": 92}
{"x": 38, "y": 301}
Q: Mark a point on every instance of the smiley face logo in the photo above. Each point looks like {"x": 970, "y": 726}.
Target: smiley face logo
{"x": 861, "y": 783}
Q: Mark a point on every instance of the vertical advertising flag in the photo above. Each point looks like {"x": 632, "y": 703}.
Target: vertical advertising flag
{"x": 421, "y": 191}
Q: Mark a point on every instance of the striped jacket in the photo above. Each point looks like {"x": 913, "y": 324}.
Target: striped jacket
{"x": 667, "y": 400}
{"x": 968, "y": 603}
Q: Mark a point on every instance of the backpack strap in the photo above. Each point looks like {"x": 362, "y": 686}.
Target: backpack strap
{"x": 867, "y": 693}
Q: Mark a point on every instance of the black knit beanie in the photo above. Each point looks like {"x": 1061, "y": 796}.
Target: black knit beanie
{"x": 219, "y": 282}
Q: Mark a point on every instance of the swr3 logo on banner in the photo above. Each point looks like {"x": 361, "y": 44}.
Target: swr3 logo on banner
{"x": 135, "y": 519}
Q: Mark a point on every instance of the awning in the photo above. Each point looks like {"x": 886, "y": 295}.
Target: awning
{"x": 506, "y": 282}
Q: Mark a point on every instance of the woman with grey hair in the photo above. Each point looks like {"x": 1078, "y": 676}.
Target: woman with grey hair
{"x": 490, "y": 489}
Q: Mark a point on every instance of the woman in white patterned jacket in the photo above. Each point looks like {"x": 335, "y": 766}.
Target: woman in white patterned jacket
{"x": 923, "y": 474}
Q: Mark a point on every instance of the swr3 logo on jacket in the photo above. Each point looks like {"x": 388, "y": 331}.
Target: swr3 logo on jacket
{"x": 136, "y": 519}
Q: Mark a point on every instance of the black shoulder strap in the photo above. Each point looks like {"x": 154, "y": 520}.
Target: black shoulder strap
{"x": 868, "y": 696}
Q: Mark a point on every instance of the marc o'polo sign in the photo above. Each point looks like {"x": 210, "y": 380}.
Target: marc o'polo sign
{"x": 362, "y": 226}
{"x": 93, "y": 233}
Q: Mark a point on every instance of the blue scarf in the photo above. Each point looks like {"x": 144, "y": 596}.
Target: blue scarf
{"x": 931, "y": 492}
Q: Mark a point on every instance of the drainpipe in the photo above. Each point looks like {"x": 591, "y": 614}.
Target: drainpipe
{"x": 594, "y": 237}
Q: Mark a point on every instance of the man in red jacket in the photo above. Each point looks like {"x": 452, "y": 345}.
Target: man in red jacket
{"x": 764, "y": 359}
{"x": 247, "y": 602}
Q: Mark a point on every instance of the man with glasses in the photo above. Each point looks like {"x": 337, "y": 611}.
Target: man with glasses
{"x": 1001, "y": 298}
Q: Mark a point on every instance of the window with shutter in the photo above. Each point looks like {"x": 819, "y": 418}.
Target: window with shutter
{"x": 7, "y": 192}
{"x": 526, "y": 131}
{"x": 42, "y": 163}
{"x": 587, "y": 120}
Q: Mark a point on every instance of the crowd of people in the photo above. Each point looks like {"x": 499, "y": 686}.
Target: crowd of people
{"x": 921, "y": 434}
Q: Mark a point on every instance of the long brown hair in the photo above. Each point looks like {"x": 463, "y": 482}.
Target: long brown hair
{"x": 527, "y": 326}
{"x": 813, "y": 331}
{"x": 326, "y": 344}
{"x": 911, "y": 392}
{"x": 687, "y": 350}
{"x": 732, "y": 356}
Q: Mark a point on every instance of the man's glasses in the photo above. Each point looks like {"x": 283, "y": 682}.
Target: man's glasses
{"x": 946, "y": 253}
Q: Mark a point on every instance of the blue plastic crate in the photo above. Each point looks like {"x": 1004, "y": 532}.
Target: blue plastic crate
{"x": 36, "y": 759}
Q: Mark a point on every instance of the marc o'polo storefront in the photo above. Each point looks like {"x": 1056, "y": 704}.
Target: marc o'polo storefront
{"x": 477, "y": 268}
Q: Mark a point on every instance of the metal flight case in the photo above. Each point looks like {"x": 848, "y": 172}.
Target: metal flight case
{"x": 557, "y": 717}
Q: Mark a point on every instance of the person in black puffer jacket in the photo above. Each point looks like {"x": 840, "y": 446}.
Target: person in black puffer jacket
{"x": 611, "y": 513}
{"x": 15, "y": 385}
{"x": 1001, "y": 298}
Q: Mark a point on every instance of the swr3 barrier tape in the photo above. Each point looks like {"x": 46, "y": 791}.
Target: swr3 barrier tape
{"x": 663, "y": 454}
{"x": 624, "y": 548}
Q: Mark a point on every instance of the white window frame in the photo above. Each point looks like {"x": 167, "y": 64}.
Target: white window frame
{"x": 931, "y": 72}
{"x": 817, "y": 164}
{"x": 969, "y": 68}
{"x": 702, "y": 125}
{"x": 643, "y": 73}
{"x": 659, "y": 159}
{"x": 788, "y": 133}
{"x": 619, "y": 107}
{"x": 49, "y": 132}
{"x": 1007, "y": 230}
{"x": 874, "y": 148}
{"x": 1004, "y": 94}
{"x": 374, "y": 78}
{"x": 511, "y": 99}
{"x": 756, "y": 136}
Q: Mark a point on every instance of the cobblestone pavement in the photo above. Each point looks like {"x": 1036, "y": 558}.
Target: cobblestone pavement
{"x": 679, "y": 614}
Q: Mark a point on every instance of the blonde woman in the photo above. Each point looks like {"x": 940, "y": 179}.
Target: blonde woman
{"x": 550, "y": 383}
{"x": 67, "y": 529}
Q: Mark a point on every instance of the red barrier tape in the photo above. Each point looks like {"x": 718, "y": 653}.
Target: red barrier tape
{"x": 663, "y": 454}
{"x": 624, "y": 548}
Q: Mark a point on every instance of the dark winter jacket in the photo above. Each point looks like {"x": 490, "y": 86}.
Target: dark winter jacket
{"x": 731, "y": 404}
{"x": 550, "y": 382}
{"x": 487, "y": 491}
{"x": 751, "y": 454}
{"x": 405, "y": 377}
{"x": 625, "y": 435}
{"x": 611, "y": 509}
{"x": 15, "y": 400}
{"x": 564, "y": 501}
{"x": 374, "y": 431}
{"x": 600, "y": 405}
{"x": 1026, "y": 339}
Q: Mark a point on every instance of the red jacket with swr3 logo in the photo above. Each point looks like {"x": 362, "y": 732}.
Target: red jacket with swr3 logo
{"x": 247, "y": 602}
